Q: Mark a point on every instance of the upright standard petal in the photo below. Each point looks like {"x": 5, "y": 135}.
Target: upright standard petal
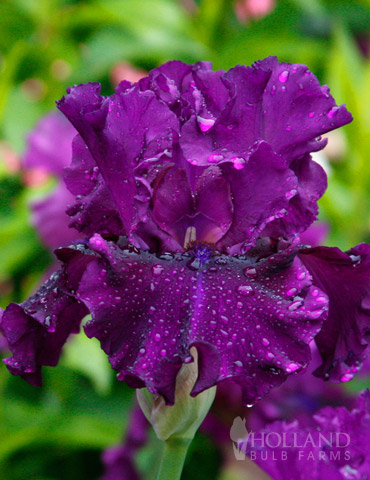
{"x": 121, "y": 132}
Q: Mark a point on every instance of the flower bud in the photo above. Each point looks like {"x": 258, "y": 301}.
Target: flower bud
{"x": 182, "y": 419}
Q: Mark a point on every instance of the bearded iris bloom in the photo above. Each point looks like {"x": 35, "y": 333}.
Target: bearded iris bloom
{"x": 191, "y": 190}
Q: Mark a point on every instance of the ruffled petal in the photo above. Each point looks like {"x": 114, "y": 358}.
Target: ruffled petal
{"x": 250, "y": 320}
{"x": 123, "y": 133}
{"x": 297, "y": 109}
{"x": 303, "y": 209}
{"x": 345, "y": 278}
{"x": 37, "y": 329}
{"x": 261, "y": 189}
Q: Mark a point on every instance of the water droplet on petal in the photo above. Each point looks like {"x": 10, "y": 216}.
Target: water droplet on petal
{"x": 283, "y": 77}
{"x": 291, "y": 292}
{"x": 250, "y": 272}
{"x": 215, "y": 158}
{"x": 292, "y": 367}
{"x": 300, "y": 275}
{"x": 245, "y": 290}
{"x": 346, "y": 377}
{"x": 205, "y": 123}
{"x": 332, "y": 112}
{"x": 157, "y": 270}
{"x": 265, "y": 342}
{"x": 238, "y": 163}
{"x": 157, "y": 337}
{"x": 291, "y": 194}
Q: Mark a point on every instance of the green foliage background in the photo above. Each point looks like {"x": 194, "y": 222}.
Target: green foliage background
{"x": 57, "y": 432}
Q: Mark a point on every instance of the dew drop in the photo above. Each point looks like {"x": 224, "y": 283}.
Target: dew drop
{"x": 157, "y": 270}
{"x": 346, "y": 377}
{"x": 292, "y": 367}
{"x": 265, "y": 342}
{"x": 301, "y": 275}
{"x": 291, "y": 292}
{"x": 332, "y": 112}
{"x": 238, "y": 163}
{"x": 215, "y": 158}
{"x": 205, "y": 123}
{"x": 295, "y": 305}
{"x": 157, "y": 337}
{"x": 283, "y": 77}
{"x": 250, "y": 272}
{"x": 291, "y": 194}
{"x": 245, "y": 290}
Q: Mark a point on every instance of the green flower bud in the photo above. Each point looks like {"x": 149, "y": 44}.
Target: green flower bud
{"x": 182, "y": 419}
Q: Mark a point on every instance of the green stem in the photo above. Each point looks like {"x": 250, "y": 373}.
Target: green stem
{"x": 173, "y": 458}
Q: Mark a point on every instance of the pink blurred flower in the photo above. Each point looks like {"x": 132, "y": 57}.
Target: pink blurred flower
{"x": 125, "y": 71}
{"x": 249, "y": 9}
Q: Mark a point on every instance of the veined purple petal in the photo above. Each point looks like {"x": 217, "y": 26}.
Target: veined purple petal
{"x": 345, "y": 278}
{"x": 250, "y": 320}
{"x": 37, "y": 329}
{"x": 208, "y": 211}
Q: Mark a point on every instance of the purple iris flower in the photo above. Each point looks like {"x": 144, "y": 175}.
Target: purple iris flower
{"x": 336, "y": 446}
{"x": 49, "y": 149}
{"x": 192, "y": 187}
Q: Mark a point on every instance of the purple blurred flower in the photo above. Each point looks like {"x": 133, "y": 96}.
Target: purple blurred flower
{"x": 191, "y": 187}
{"x": 316, "y": 234}
{"x": 336, "y": 446}
{"x": 119, "y": 460}
{"x": 49, "y": 150}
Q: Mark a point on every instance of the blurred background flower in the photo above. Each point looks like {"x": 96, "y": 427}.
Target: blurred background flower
{"x": 48, "y": 45}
